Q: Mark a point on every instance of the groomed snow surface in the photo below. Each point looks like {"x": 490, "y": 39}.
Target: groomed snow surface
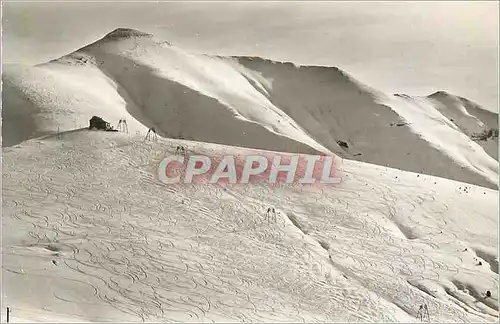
{"x": 89, "y": 234}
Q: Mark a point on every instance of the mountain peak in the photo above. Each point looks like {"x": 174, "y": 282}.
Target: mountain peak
{"x": 441, "y": 94}
{"x": 126, "y": 33}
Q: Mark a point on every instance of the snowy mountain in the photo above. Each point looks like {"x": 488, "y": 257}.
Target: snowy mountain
{"x": 248, "y": 102}
{"x": 90, "y": 234}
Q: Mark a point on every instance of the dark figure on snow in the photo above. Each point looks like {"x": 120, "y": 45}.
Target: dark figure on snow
{"x": 180, "y": 149}
{"x": 423, "y": 311}
{"x": 151, "y": 135}
{"x": 271, "y": 212}
{"x": 98, "y": 123}
{"x": 122, "y": 126}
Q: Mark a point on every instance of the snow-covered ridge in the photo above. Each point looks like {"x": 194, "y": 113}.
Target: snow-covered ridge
{"x": 333, "y": 106}
{"x": 126, "y": 33}
{"x": 443, "y": 134}
{"x": 240, "y": 101}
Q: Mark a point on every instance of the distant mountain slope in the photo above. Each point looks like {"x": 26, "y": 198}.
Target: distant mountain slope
{"x": 473, "y": 120}
{"x": 332, "y": 107}
{"x": 245, "y": 102}
{"x": 442, "y": 134}
{"x": 129, "y": 74}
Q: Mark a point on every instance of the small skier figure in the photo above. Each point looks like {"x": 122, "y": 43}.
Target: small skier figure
{"x": 488, "y": 293}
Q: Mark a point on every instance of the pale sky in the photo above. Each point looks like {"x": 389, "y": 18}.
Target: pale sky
{"x": 408, "y": 47}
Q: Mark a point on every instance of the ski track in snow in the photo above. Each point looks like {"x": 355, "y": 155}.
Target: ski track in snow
{"x": 129, "y": 248}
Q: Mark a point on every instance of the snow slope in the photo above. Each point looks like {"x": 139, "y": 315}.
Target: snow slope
{"x": 332, "y": 106}
{"x": 469, "y": 117}
{"x": 245, "y": 102}
{"x": 89, "y": 234}
{"x": 444, "y": 135}
{"x": 180, "y": 94}
{"x": 98, "y": 238}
